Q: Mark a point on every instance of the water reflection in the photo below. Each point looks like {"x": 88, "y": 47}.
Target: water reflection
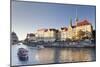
{"x": 53, "y": 55}
{"x": 58, "y": 55}
{"x": 45, "y": 55}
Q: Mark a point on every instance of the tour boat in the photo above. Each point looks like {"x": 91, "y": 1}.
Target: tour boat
{"x": 22, "y": 54}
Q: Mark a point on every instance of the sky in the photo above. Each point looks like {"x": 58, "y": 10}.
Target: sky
{"x": 27, "y": 17}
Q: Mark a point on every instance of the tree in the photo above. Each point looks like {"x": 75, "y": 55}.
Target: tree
{"x": 73, "y": 38}
{"x": 80, "y": 34}
{"x": 93, "y": 34}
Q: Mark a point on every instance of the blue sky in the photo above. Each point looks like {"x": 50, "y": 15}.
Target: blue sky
{"x": 27, "y": 17}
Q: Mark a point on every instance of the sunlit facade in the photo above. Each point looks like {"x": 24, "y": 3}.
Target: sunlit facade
{"x": 47, "y": 34}
{"x": 79, "y": 30}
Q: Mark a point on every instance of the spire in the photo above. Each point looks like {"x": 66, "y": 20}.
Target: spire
{"x": 70, "y": 21}
{"x": 76, "y": 20}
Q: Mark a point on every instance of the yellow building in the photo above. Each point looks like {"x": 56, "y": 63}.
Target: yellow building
{"x": 86, "y": 27}
{"x": 79, "y": 30}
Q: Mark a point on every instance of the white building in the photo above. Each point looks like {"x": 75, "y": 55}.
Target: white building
{"x": 47, "y": 34}
{"x": 63, "y": 34}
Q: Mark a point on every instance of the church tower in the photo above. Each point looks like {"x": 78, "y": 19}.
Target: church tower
{"x": 70, "y": 22}
{"x": 76, "y": 19}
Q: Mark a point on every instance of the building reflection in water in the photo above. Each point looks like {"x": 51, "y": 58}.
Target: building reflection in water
{"x": 59, "y": 55}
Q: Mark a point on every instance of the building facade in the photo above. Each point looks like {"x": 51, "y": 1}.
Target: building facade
{"x": 63, "y": 34}
{"x": 81, "y": 29}
{"x": 47, "y": 34}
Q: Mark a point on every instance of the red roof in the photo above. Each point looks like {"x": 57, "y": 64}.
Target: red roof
{"x": 82, "y": 23}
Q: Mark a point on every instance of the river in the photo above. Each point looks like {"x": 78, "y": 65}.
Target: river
{"x": 52, "y": 55}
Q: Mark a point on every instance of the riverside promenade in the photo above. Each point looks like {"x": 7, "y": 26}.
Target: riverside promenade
{"x": 62, "y": 44}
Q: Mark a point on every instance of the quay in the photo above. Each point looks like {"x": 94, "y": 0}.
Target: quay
{"x": 61, "y": 44}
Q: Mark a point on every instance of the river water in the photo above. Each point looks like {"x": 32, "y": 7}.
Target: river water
{"x": 52, "y": 55}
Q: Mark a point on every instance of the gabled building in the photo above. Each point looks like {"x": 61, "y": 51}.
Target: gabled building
{"x": 80, "y": 29}
{"x": 50, "y": 35}
{"x": 86, "y": 27}
{"x": 47, "y": 34}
